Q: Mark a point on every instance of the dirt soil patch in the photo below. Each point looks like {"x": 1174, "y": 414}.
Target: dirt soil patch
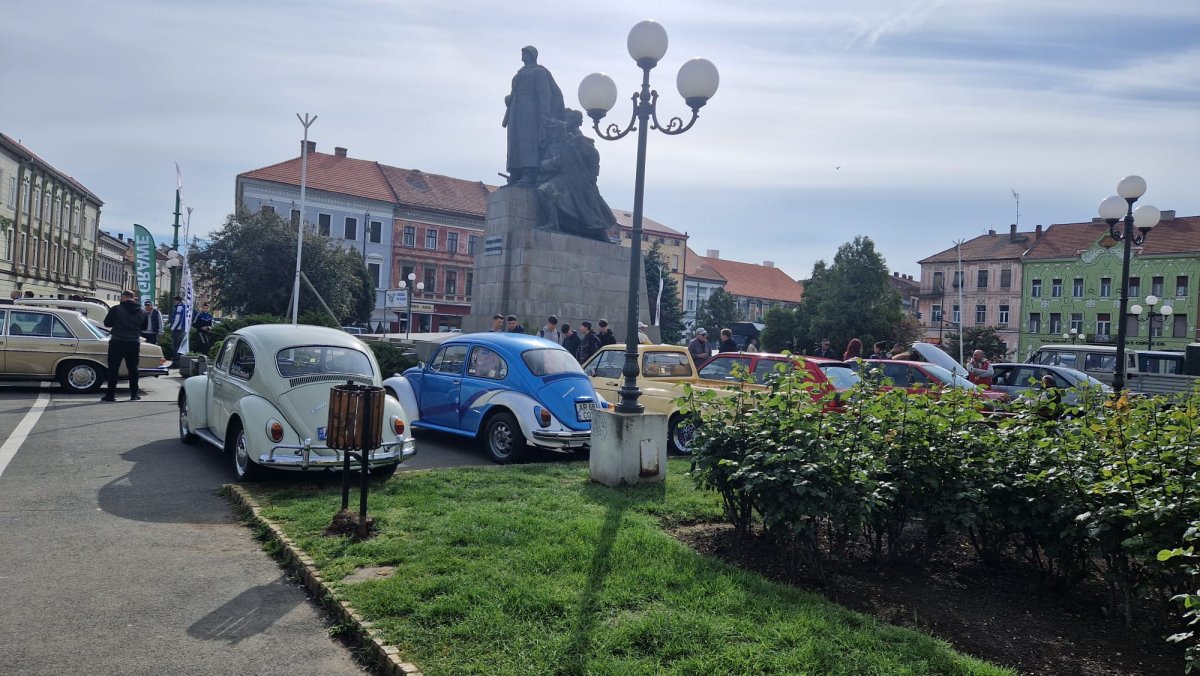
{"x": 1005, "y": 616}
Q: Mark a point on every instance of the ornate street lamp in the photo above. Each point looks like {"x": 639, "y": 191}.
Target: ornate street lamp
{"x": 1136, "y": 312}
{"x": 1072, "y": 335}
{"x": 418, "y": 286}
{"x": 1119, "y": 209}
{"x": 697, "y": 82}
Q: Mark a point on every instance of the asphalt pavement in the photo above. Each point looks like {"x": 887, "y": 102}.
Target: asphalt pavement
{"x": 118, "y": 555}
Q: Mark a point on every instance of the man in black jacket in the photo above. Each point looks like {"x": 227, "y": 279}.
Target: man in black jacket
{"x": 589, "y": 344}
{"x": 605, "y": 334}
{"x": 127, "y": 322}
{"x": 570, "y": 340}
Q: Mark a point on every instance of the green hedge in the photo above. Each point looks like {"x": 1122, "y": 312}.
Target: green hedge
{"x": 1101, "y": 487}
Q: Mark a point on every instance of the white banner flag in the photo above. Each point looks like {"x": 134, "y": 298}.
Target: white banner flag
{"x": 658, "y": 304}
{"x": 188, "y": 299}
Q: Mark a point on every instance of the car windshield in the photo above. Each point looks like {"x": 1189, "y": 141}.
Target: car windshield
{"x": 98, "y": 330}
{"x": 843, "y": 377}
{"x": 312, "y": 360}
{"x": 549, "y": 362}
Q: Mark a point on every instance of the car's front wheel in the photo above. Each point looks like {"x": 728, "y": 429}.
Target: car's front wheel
{"x": 503, "y": 438}
{"x": 185, "y": 421}
{"x": 681, "y": 430}
{"x": 81, "y": 377}
{"x": 244, "y": 467}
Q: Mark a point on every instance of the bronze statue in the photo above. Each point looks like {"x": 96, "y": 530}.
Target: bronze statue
{"x": 568, "y": 197}
{"x": 535, "y": 101}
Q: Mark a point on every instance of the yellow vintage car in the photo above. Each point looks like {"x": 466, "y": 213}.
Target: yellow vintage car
{"x": 43, "y": 343}
{"x": 663, "y": 370}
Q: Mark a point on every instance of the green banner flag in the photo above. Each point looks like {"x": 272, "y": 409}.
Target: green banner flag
{"x": 145, "y": 263}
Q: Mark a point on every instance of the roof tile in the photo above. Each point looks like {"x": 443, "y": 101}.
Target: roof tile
{"x": 1066, "y": 240}
{"x": 755, "y": 281}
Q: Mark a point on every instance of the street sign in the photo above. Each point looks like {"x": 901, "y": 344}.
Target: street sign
{"x": 422, "y": 307}
{"x": 395, "y": 298}
{"x": 493, "y": 245}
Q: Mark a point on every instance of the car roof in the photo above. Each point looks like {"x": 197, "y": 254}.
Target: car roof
{"x": 61, "y": 312}
{"x": 509, "y": 341}
{"x": 279, "y": 336}
{"x": 56, "y": 304}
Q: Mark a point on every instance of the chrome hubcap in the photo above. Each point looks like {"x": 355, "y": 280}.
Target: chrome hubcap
{"x": 684, "y": 433}
{"x": 82, "y": 377}
{"x": 502, "y": 440}
{"x": 184, "y": 428}
{"x": 241, "y": 455}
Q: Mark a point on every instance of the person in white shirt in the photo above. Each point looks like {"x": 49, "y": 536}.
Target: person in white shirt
{"x": 550, "y": 330}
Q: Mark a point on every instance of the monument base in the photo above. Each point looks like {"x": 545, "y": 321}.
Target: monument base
{"x": 532, "y": 272}
{"x": 628, "y": 448}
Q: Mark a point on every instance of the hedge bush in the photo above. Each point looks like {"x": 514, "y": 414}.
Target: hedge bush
{"x": 1100, "y": 487}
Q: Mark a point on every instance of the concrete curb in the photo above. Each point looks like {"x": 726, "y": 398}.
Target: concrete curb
{"x": 387, "y": 658}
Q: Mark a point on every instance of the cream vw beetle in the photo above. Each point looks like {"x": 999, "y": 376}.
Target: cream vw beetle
{"x": 265, "y": 400}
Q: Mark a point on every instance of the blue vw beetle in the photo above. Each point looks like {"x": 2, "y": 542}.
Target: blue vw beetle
{"x": 509, "y": 390}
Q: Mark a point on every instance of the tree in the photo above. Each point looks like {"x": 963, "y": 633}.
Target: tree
{"x": 716, "y": 313}
{"x": 984, "y": 338}
{"x": 670, "y": 314}
{"x": 249, "y": 262}
{"x": 850, "y": 298}
{"x": 783, "y": 331}
{"x": 907, "y": 331}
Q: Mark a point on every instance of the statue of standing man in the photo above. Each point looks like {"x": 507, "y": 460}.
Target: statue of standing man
{"x": 535, "y": 101}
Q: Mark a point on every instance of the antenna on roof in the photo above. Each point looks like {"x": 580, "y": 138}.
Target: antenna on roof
{"x": 1017, "y": 197}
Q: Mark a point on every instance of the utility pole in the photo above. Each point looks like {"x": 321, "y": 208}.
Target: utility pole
{"x": 307, "y": 122}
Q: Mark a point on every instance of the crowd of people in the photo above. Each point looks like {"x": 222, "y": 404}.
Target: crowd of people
{"x": 582, "y": 343}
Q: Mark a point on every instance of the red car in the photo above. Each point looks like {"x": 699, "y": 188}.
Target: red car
{"x": 719, "y": 369}
{"x": 924, "y": 377}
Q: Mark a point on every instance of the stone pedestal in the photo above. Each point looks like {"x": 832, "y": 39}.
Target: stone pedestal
{"x": 628, "y": 448}
{"x": 532, "y": 272}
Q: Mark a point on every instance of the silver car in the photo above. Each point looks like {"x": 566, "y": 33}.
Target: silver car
{"x": 1017, "y": 379}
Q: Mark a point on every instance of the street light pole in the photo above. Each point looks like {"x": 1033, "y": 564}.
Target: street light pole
{"x": 1144, "y": 217}
{"x": 413, "y": 286}
{"x": 697, "y": 82}
{"x": 1136, "y": 311}
{"x": 307, "y": 122}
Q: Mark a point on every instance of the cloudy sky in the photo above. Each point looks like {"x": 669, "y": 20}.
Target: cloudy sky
{"x": 909, "y": 122}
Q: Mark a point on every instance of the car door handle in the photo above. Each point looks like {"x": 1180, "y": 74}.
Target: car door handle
{"x": 66, "y": 344}
{"x": 613, "y": 383}
{"x": 456, "y": 381}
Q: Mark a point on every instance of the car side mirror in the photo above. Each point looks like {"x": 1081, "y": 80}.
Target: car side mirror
{"x": 421, "y": 365}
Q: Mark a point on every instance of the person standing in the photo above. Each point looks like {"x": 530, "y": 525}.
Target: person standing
{"x": 154, "y": 323}
{"x": 13, "y": 296}
{"x": 605, "y": 334}
{"x": 979, "y": 369}
{"x": 178, "y": 329}
{"x": 127, "y": 322}
{"x": 825, "y": 351}
{"x": 570, "y": 341}
{"x": 589, "y": 344}
{"x": 203, "y": 324}
{"x": 727, "y": 344}
{"x": 752, "y": 345}
{"x": 698, "y": 348}
{"x": 879, "y": 351}
{"x": 550, "y": 330}
{"x": 497, "y": 324}
{"x": 643, "y": 339}
{"x": 853, "y": 349}
{"x": 513, "y": 325}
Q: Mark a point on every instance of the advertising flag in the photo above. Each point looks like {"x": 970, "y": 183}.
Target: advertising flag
{"x": 188, "y": 298}
{"x": 145, "y": 263}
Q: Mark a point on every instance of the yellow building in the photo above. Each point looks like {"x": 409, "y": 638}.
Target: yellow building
{"x": 672, "y": 243}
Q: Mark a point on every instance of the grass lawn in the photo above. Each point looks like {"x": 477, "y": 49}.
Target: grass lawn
{"x": 534, "y": 570}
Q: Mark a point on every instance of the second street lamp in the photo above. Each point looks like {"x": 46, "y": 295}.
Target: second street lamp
{"x": 1165, "y": 311}
{"x": 697, "y": 82}
{"x": 1119, "y": 209}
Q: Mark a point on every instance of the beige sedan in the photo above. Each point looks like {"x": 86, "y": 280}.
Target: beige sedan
{"x": 40, "y": 343}
{"x": 663, "y": 370}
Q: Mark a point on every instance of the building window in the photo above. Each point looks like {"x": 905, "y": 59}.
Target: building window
{"x": 1077, "y": 322}
{"x": 373, "y": 273}
{"x": 405, "y": 271}
{"x": 351, "y": 228}
{"x": 472, "y": 243}
{"x": 1077, "y": 287}
{"x": 452, "y": 243}
{"x": 1135, "y": 286}
{"x": 451, "y": 282}
{"x": 1002, "y": 316}
{"x": 983, "y": 279}
{"x": 470, "y": 283}
{"x": 935, "y": 312}
{"x": 323, "y": 221}
{"x": 1181, "y": 286}
{"x": 1105, "y": 287}
{"x": 1056, "y": 288}
{"x": 1132, "y": 325}
{"x": 410, "y": 235}
{"x": 1055, "y": 322}
{"x": 980, "y": 314}
{"x": 939, "y": 281}
{"x": 674, "y": 262}
{"x": 1035, "y": 288}
{"x": 8, "y": 244}
{"x": 431, "y": 280}
{"x": 1006, "y": 278}
{"x": 295, "y": 218}
{"x": 1104, "y": 324}
{"x": 1035, "y": 322}
{"x": 376, "y": 232}
{"x": 1156, "y": 327}
{"x": 267, "y": 209}
{"x": 958, "y": 276}
{"x": 956, "y": 315}
{"x": 12, "y": 191}
{"x": 1179, "y": 326}
{"x": 431, "y": 239}
{"x": 1156, "y": 286}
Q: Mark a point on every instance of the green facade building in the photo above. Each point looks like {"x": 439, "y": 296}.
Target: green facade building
{"x": 1071, "y": 285}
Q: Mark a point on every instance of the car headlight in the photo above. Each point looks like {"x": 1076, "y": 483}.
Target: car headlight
{"x": 275, "y": 430}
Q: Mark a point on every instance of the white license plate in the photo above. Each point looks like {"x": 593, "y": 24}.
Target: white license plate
{"x": 583, "y": 410}
{"x": 321, "y": 433}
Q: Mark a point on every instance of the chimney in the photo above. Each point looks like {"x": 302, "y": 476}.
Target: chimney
{"x": 340, "y": 152}
{"x": 1037, "y": 232}
{"x": 713, "y": 253}
{"x": 1012, "y": 232}
{"x": 1167, "y": 215}
{"x": 312, "y": 146}
{"x": 768, "y": 264}
{"x": 991, "y": 232}
{"x": 895, "y": 274}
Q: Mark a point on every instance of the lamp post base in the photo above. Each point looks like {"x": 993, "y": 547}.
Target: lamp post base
{"x": 628, "y": 448}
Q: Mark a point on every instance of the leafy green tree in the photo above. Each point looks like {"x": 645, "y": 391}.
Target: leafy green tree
{"x": 851, "y": 298}
{"x": 670, "y": 312}
{"x": 783, "y": 331}
{"x": 249, "y": 264}
{"x": 716, "y": 313}
{"x": 984, "y": 338}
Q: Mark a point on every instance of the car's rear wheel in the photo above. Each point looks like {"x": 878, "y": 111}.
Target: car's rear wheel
{"x": 81, "y": 377}
{"x": 244, "y": 467}
{"x": 503, "y": 438}
{"x": 681, "y": 430}
{"x": 185, "y": 421}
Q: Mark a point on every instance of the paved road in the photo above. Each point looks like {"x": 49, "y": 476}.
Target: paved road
{"x": 118, "y": 556}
